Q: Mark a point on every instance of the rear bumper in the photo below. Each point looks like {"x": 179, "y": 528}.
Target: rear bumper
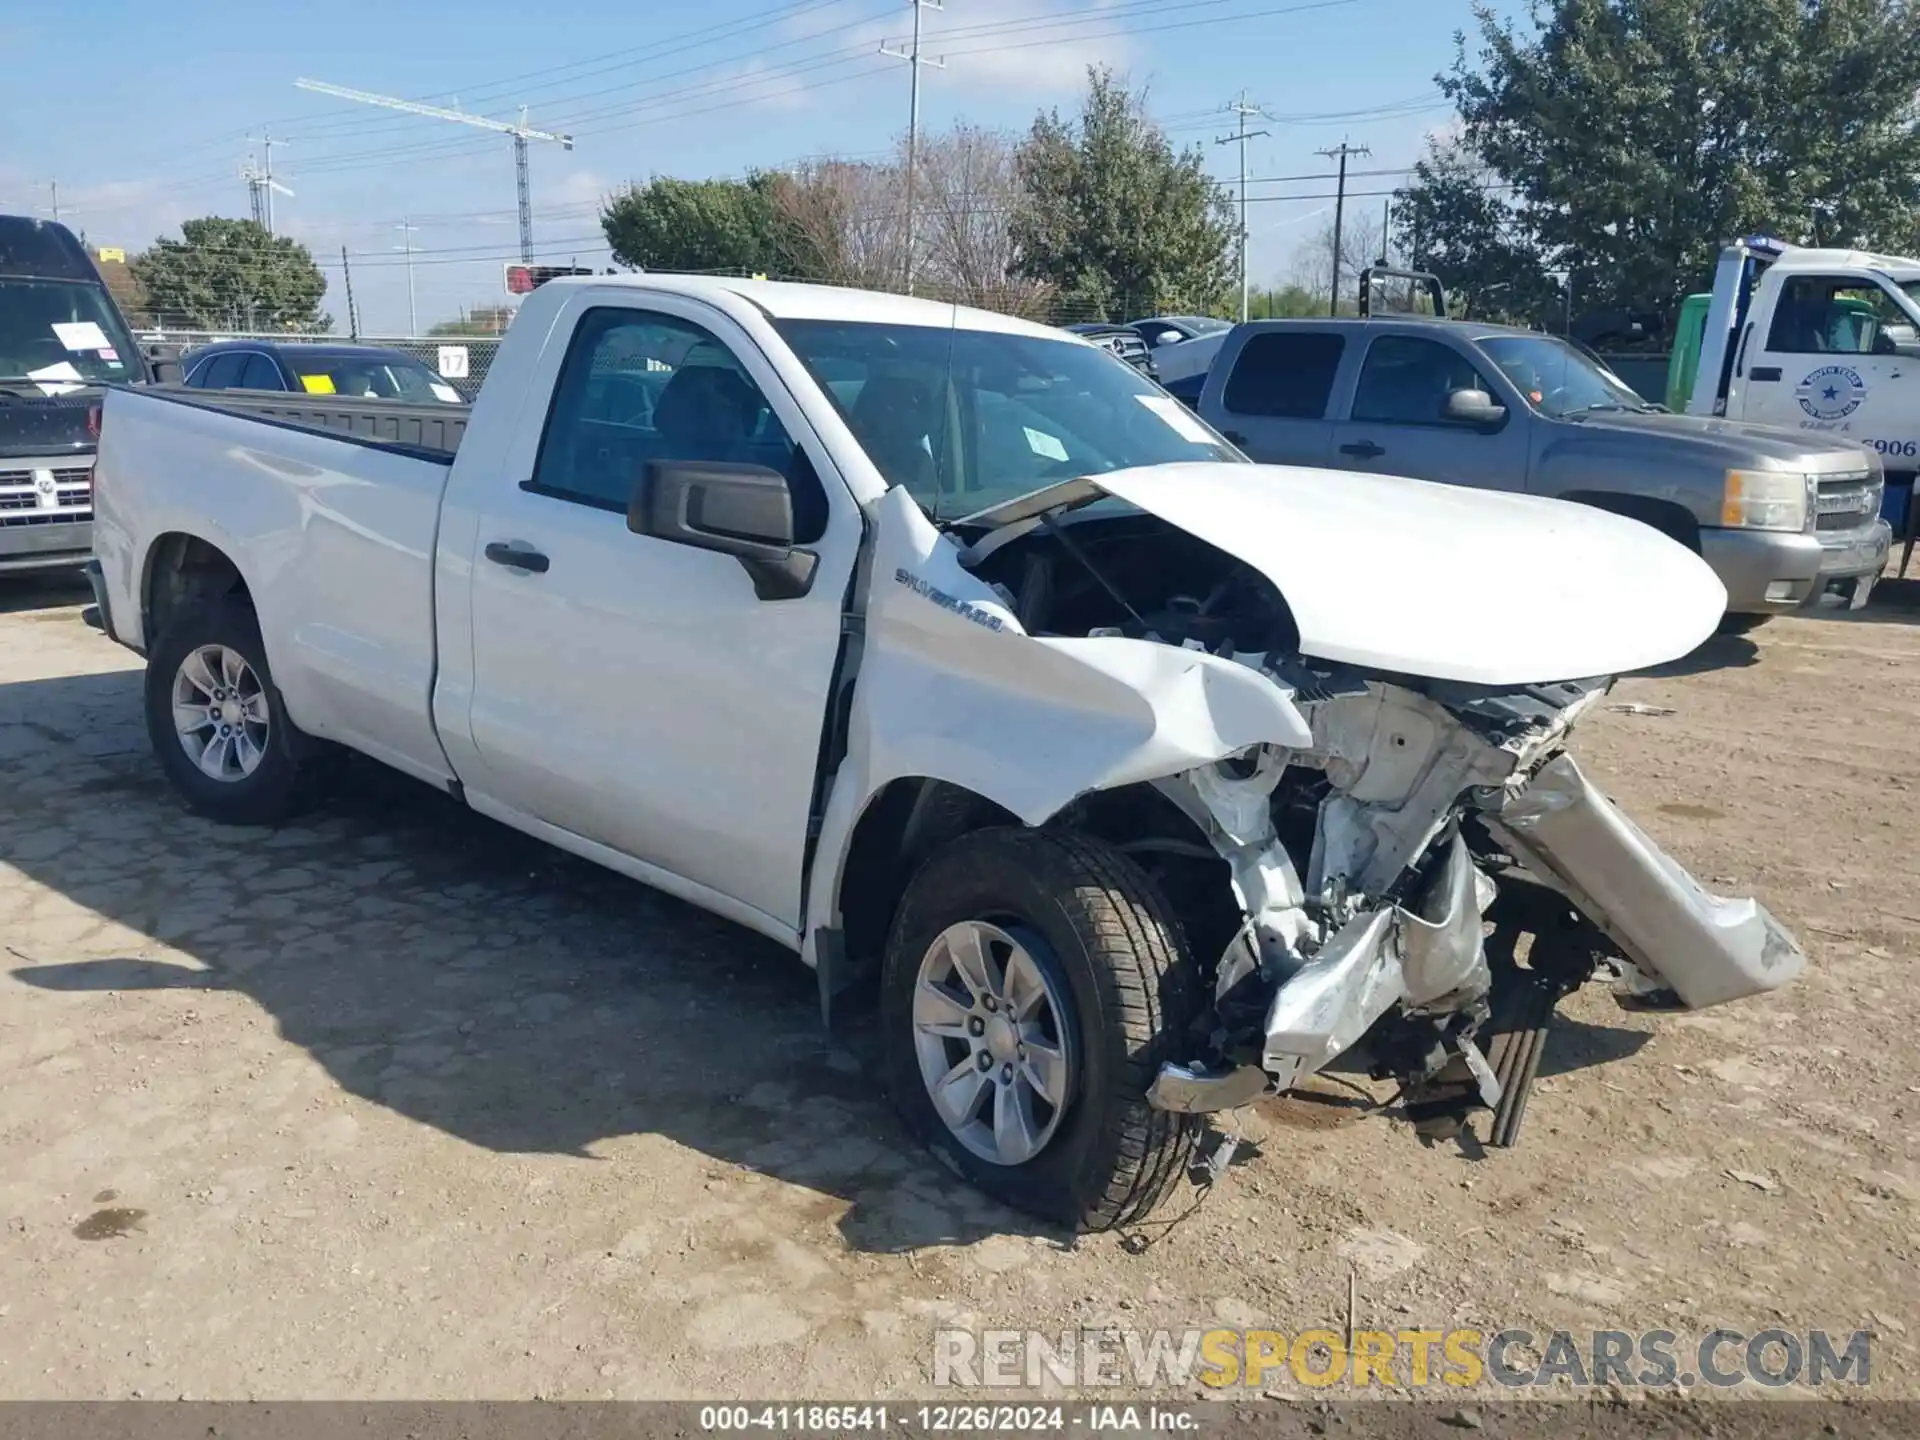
{"x": 1772, "y": 573}
{"x": 45, "y": 547}
{"x": 1708, "y": 948}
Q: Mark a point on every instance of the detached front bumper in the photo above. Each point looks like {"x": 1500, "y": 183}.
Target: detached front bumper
{"x": 1708, "y": 948}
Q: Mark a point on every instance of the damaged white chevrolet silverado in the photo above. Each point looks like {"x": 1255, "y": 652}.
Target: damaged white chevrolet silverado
{"x": 952, "y": 653}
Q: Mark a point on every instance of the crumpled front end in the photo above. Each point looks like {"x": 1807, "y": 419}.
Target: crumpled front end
{"x": 1435, "y": 812}
{"x": 1708, "y": 949}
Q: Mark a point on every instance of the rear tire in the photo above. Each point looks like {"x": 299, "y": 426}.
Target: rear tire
{"x": 1118, "y": 984}
{"x": 247, "y": 764}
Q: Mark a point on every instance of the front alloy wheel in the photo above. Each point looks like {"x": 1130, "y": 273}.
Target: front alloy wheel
{"x": 992, "y": 1034}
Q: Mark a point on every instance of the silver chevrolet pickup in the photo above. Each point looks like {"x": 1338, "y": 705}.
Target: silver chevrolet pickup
{"x": 1781, "y": 517}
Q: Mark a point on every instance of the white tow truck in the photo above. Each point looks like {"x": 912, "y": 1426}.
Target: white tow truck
{"x": 955, "y": 655}
{"x": 1822, "y": 341}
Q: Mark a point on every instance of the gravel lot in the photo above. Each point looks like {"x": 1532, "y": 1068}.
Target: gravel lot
{"x": 397, "y": 1103}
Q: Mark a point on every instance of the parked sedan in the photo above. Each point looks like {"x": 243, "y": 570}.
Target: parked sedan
{"x": 359, "y": 371}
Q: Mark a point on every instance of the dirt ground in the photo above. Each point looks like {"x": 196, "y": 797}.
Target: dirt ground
{"x": 396, "y": 1103}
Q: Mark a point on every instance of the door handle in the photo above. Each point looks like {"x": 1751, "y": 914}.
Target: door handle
{"x": 517, "y": 557}
{"x": 1765, "y": 372}
{"x": 1363, "y": 449}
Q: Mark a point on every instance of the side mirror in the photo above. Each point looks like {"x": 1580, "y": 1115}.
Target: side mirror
{"x": 741, "y": 510}
{"x": 1476, "y": 408}
{"x": 1168, "y": 337}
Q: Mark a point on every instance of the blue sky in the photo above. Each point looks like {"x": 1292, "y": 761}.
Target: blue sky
{"x": 146, "y": 120}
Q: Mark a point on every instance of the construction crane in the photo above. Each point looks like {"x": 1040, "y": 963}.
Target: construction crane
{"x": 521, "y": 134}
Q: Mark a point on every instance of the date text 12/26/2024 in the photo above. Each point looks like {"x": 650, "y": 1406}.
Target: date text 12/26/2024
{"x": 956, "y": 1419}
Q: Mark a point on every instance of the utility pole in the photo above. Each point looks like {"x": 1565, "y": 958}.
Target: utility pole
{"x": 1242, "y": 109}
{"x": 1340, "y": 153}
{"x": 914, "y": 60}
{"x": 53, "y": 186}
{"x": 353, "y": 321}
{"x": 521, "y": 133}
{"x": 407, "y": 229}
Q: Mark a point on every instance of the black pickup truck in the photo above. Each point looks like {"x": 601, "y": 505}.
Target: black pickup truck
{"x": 61, "y": 340}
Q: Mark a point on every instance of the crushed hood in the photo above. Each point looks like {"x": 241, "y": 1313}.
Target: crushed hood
{"x": 1433, "y": 580}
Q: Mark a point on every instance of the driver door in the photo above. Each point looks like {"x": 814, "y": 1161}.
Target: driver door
{"x": 1396, "y": 423}
{"x": 1824, "y": 354}
{"x": 632, "y": 691}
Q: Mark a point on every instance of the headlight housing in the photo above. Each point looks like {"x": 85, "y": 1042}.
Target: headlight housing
{"x": 1765, "y": 500}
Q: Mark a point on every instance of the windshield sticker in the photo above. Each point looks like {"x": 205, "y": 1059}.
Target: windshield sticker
{"x": 56, "y": 379}
{"x": 110, "y": 355}
{"x": 1179, "y": 419}
{"x": 317, "y": 384}
{"x": 1831, "y": 393}
{"x": 81, "y": 336}
{"x": 1044, "y": 445}
{"x": 964, "y": 609}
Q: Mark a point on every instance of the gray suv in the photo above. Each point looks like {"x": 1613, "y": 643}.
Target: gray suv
{"x": 1782, "y": 518}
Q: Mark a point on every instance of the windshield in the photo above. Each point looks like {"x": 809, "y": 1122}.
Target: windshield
{"x": 370, "y": 377}
{"x": 55, "y": 331}
{"x": 965, "y": 419}
{"x": 1201, "y": 324}
{"x": 1556, "y": 378}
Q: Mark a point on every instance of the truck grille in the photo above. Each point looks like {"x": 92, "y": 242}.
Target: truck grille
{"x": 1846, "y": 502}
{"x": 62, "y": 496}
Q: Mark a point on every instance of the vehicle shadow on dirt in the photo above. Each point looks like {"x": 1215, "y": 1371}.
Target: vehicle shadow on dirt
{"x": 465, "y": 976}
{"x": 55, "y": 588}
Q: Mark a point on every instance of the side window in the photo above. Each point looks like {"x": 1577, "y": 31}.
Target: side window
{"x": 1826, "y": 315}
{"x": 260, "y": 373}
{"x": 1406, "y": 381}
{"x": 222, "y": 372}
{"x": 1285, "y": 375}
{"x": 639, "y": 386}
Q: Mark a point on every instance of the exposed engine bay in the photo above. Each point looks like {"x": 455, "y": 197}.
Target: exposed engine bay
{"x": 1377, "y": 884}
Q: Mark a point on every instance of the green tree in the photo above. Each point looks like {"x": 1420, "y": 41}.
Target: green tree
{"x": 1112, "y": 217}
{"x": 1637, "y": 135}
{"x": 697, "y": 226}
{"x": 231, "y": 274}
{"x": 1456, "y": 222}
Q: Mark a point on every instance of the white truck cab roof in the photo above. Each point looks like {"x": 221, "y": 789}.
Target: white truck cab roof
{"x": 783, "y": 300}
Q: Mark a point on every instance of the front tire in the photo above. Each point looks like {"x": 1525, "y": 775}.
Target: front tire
{"x": 218, "y": 725}
{"x": 1034, "y": 983}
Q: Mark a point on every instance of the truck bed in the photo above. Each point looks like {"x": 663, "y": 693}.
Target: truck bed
{"x": 430, "y": 431}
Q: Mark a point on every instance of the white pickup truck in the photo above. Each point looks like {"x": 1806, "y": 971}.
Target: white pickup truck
{"x": 952, "y": 653}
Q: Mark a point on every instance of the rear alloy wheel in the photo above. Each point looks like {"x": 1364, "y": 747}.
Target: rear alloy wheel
{"x": 217, "y": 723}
{"x": 220, "y": 713}
{"x": 1034, "y": 983}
